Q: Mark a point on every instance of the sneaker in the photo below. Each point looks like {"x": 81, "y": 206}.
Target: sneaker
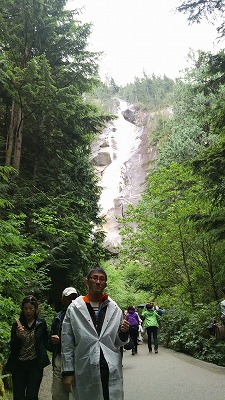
{"x": 150, "y": 350}
{"x": 133, "y": 352}
{"x": 156, "y": 351}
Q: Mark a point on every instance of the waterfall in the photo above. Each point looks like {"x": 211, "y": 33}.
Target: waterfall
{"x": 121, "y": 160}
{"x": 123, "y": 141}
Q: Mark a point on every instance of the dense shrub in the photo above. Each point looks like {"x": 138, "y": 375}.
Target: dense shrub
{"x": 186, "y": 331}
{"x": 8, "y": 312}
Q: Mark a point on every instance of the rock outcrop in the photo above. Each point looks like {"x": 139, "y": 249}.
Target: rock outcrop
{"x": 130, "y": 113}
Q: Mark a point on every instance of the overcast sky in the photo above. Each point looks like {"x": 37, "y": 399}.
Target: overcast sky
{"x": 143, "y": 35}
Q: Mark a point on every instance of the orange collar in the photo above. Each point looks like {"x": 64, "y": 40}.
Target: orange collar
{"x": 103, "y": 297}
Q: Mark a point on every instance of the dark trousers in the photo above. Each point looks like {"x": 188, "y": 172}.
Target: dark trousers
{"x": 104, "y": 370}
{"x": 133, "y": 332}
{"x": 152, "y": 330}
{"x": 26, "y": 380}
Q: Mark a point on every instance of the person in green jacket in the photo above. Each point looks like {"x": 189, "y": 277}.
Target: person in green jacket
{"x": 151, "y": 325}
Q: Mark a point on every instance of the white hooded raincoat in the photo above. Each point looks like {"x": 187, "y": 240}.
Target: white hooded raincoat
{"x": 81, "y": 351}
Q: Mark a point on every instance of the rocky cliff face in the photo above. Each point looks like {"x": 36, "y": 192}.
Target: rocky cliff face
{"x": 129, "y": 133}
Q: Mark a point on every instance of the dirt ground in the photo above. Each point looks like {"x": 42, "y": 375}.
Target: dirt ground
{"x": 45, "y": 389}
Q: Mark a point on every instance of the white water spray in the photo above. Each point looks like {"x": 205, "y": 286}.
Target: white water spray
{"x": 123, "y": 142}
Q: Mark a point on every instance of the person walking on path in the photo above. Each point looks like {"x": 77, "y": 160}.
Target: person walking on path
{"x": 58, "y": 390}
{"x": 93, "y": 331}
{"x": 132, "y": 317}
{"x": 28, "y": 355}
{"x": 151, "y": 325}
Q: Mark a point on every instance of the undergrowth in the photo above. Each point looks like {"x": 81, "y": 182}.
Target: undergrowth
{"x": 186, "y": 331}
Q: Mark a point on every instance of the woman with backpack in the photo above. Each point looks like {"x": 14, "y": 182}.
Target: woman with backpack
{"x": 132, "y": 317}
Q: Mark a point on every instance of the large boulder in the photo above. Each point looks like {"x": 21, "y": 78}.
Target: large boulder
{"x": 103, "y": 157}
{"x": 129, "y": 115}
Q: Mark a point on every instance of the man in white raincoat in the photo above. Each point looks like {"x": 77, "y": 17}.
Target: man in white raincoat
{"x": 93, "y": 331}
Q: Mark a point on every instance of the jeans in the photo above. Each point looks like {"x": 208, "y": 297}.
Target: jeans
{"x": 152, "y": 330}
{"x": 26, "y": 380}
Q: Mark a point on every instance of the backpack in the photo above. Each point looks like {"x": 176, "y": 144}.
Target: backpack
{"x": 133, "y": 319}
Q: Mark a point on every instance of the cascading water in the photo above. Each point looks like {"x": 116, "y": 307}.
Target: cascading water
{"x": 121, "y": 160}
{"x": 123, "y": 142}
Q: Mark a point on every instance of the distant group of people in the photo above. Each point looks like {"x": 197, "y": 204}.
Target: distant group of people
{"x": 149, "y": 319}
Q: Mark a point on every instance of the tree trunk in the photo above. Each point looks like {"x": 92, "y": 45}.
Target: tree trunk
{"x": 10, "y": 135}
{"x": 207, "y": 251}
{"x": 18, "y": 140}
{"x": 36, "y": 155}
{"x": 186, "y": 269}
{"x": 14, "y": 137}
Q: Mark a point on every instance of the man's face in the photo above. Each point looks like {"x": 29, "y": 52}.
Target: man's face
{"x": 96, "y": 283}
{"x": 67, "y": 300}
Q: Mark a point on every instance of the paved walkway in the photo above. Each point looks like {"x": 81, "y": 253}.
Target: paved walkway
{"x": 164, "y": 376}
{"x": 169, "y": 375}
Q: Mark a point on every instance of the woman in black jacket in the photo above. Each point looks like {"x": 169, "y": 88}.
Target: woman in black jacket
{"x": 28, "y": 355}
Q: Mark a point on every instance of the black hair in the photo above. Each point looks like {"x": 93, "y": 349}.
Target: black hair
{"x": 97, "y": 269}
{"x": 149, "y": 306}
{"x": 32, "y": 300}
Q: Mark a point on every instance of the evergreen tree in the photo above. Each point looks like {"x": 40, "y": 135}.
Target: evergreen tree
{"x": 48, "y": 127}
{"x": 209, "y": 9}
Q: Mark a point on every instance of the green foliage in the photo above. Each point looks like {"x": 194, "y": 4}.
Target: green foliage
{"x": 170, "y": 251}
{"x": 115, "y": 284}
{"x": 123, "y": 285}
{"x": 185, "y": 330}
{"x": 152, "y": 93}
{"x": 103, "y": 95}
{"x": 189, "y": 131}
{"x": 9, "y": 310}
{"x": 46, "y": 312}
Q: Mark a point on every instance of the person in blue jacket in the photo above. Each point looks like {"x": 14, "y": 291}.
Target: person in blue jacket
{"x": 28, "y": 355}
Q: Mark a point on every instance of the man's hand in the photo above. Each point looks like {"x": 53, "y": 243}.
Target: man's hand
{"x": 55, "y": 339}
{"x": 124, "y": 327}
{"x": 69, "y": 382}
